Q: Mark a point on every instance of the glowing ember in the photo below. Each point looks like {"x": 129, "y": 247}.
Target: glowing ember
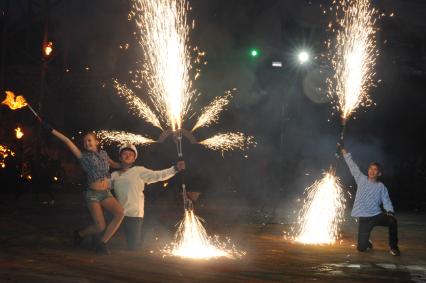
{"x": 137, "y": 105}
{"x": 48, "y": 48}
{"x": 14, "y": 102}
{"x": 353, "y": 55}
{"x": 19, "y": 133}
{"x": 229, "y": 142}
{"x": 5, "y": 152}
{"x": 192, "y": 241}
{"x": 210, "y": 114}
{"x": 163, "y": 36}
{"x": 123, "y": 138}
{"x": 322, "y": 212}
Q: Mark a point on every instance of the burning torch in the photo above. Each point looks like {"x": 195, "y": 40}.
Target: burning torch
{"x": 17, "y": 102}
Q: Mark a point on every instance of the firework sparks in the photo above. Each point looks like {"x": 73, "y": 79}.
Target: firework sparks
{"x": 13, "y": 102}
{"x": 192, "y": 241}
{"x": 322, "y": 212}
{"x": 123, "y": 138}
{"x": 353, "y": 55}
{"x": 210, "y": 114}
{"x": 137, "y": 106}
{"x": 5, "y": 152}
{"x": 163, "y": 36}
{"x": 229, "y": 142}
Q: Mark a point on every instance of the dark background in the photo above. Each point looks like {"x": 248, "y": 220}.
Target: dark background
{"x": 283, "y": 108}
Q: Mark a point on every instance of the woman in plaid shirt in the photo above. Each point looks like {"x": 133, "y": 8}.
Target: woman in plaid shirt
{"x": 95, "y": 164}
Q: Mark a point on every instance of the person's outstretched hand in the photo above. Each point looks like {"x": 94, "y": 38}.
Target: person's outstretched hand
{"x": 341, "y": 147}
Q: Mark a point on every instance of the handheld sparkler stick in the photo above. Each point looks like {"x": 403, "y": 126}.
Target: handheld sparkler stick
{"x": 343, "y": 130}
{"x": 187, "y": 203}
{"x": 35, "y": 113}
{"x": 178, "y": 139}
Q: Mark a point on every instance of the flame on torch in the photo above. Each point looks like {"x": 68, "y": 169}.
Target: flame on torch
{"x": 19, "y": 133}
{"x": 48, "y": 48}
{"x": 14, "y": 102}
{"x": 5, "y": 152}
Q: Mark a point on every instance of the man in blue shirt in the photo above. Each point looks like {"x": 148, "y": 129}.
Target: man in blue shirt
{"x": 370, "y": 195}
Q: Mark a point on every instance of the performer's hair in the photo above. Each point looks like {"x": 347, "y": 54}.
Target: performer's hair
{"x": 91, "y": 134}
{"x": 377, "y": 164}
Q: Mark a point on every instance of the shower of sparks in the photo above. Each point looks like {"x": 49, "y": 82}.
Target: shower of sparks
{"x": 353, "y": 55}
{"x": 164, "y": 38}
{"x": 137, "y": 106}
{"x": 13, "y": 102}
{"x": 228, "y": 142}
{"x": 322, "y": 212}
{"x": 119, "y": 137}
{"x": 5, "y": 152}
{"x": 192, "y": 241}
{"x": 210, "y": 114}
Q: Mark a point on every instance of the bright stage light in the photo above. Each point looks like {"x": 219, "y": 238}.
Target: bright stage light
{"x": 303, "y": 57}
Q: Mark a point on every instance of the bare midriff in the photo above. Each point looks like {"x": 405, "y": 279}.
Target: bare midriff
{"x": 100, "y": 185}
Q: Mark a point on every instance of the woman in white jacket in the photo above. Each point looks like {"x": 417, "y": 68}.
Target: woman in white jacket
{"x": 129, "y": 183}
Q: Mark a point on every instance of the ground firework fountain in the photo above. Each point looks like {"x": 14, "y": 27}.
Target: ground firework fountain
{"x": 322, "y": 212}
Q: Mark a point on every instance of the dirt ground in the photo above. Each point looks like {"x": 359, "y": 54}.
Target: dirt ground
{"x": 35, "y": 246}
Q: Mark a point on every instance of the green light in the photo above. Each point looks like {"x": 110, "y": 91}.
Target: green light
{"x": 254, "y": 53}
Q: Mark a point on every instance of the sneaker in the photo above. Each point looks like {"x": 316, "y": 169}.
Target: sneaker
{"x": 395, "y": 251}
{"x": 370, "y": 245}
{"x": 77, "y": 238}
{"x": 102, "y": 248}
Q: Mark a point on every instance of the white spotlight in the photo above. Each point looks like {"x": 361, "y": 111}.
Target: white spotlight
{"x": 303, "y": 57}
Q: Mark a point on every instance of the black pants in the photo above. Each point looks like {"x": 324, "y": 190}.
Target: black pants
{"x": 366, "y": 224}
{"x": 133, "y": 231}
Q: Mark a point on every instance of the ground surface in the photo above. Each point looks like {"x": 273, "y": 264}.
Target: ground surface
{"x": 35, "y": 246}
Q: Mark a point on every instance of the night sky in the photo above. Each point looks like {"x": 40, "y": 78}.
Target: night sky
{"x": 270, "y": 103}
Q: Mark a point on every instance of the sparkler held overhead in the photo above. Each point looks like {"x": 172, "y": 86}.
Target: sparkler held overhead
{"x": 167, "y": 71}
{"x": 353, "y": 55}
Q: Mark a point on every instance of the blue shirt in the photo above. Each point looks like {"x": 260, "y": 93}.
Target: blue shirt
{"x": 95, "y": 165}
{"x": 369, "y": 194}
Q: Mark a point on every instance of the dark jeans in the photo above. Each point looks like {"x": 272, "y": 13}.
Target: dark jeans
{"x": 133, "y": 231}
{"x": 366, "y": 224}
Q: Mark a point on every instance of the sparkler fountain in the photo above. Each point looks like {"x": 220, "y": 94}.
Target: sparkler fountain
{"x": 353, "y": 56}
{"x": 167, "y": 72}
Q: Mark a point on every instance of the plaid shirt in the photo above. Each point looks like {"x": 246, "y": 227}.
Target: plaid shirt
{"x": 95, "y": 164}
